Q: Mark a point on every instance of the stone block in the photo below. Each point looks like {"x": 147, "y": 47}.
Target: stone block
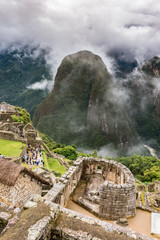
{"x": 37, "y": 231}
{"x": 30, "y": 204}
{"x": 5, "y": 216}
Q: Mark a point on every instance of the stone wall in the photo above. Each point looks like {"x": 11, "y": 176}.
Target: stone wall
{"x": 116, "y": 198}
{"x": 4, "y": 116}
{"x": 154, "y": 187}
{"x": 91, "y": 226}
{"x": 18, "y": 194}
{"x": 62, "y": 190}
{"x": 32, "y": 138}
{"x": 14, "y": 127}
{"x": 7, "y": 135}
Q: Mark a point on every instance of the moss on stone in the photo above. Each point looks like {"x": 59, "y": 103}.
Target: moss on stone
{"x": 64, "y": 221}
{"x": 28, "y": 218}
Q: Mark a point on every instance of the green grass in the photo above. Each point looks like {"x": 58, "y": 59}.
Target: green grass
{"x": 67, "y": 160}
{"x": 45, "y": 160}
{"x": 50, "y": 164}
{"x": 10, "y": 148}
{"x": 27, "y": 166}
{"x": 56, "y": 166}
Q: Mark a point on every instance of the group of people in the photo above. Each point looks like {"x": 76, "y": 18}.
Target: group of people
{"x": 33, "y": 156}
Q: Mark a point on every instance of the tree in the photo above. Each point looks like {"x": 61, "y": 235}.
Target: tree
{"x": 150, "y": 175}
{"x": 68, "y": 151}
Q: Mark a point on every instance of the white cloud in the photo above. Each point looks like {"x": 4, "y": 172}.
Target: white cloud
{"x": 67, "y": 26}
{"x": 43, "y": 84}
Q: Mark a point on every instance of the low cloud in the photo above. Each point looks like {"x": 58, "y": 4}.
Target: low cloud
{"x": 108, "y": 151}
{"x": 41, "y": 85}
{"x": 67, "y": 26}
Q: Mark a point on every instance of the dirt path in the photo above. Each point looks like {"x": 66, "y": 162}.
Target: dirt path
{"x": 140, "y": 223}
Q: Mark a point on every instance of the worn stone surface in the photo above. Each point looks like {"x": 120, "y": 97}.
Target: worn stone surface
{"x": 122, "y": 221}
{"x": 154, "y": 187}
{"x": 23, "y": 189}
{"x": 71, "y": 224}
{"x": 30, "y": 204}
{"x": 5, "y": 215}
{"x": 17, "y": 211}
{"x": 3, "y": 205}
{"x": 36, "y": 198}
{"x": 38, "y": 230}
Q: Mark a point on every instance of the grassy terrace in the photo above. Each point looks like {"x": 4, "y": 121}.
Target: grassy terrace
{"x": 56, "y": 166}
{"x": 13, "y": 149}
{"x": 10, "y": 148}
{"x": 50, "y": 164}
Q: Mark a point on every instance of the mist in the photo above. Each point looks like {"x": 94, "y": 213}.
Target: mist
{"x": 63, "y": 27}
{"x": 68, "y": 26}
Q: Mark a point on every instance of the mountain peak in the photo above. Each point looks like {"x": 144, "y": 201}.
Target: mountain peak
{"x": 152, "y": 67}
{"x": 82, "y": 107}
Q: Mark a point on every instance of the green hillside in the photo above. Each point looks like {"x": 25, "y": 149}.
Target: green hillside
{"x": 82, "y": 108}
{"x": 18, "y": 70}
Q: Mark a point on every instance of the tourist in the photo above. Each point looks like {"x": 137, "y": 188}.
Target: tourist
{"x": 31, "y": 167}
{"x": 23, "y": 160}
{"x": 37, "y": 161}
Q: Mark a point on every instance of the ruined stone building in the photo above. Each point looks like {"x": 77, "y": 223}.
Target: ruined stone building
{"x": 154, "y": 186}
{"x": 106, "y": 188}
{"x": 8, "y": 129}
{"x": 31, "y": 135}
{"x": 11, "y": 130}
{"x": 17, "y": 183}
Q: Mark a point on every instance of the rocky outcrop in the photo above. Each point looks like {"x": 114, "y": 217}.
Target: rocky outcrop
{"x": 152, "y": 67}
{"x": 83, "y": 107}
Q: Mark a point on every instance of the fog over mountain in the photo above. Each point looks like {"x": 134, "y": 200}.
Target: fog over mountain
{"x": 68, "y": 26}
{"x": 37, "y": 35}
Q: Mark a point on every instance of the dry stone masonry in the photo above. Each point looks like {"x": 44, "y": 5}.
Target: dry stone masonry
{"x": 11, "y": 130}
{"x": 111, "y": 192}
{"x": 114, "y": 182}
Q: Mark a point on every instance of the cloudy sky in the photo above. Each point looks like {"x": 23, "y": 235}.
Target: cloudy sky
{"x": 67, "y": 26}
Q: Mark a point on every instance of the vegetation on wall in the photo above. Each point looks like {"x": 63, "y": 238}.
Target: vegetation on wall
{"x": 24, "y": 116}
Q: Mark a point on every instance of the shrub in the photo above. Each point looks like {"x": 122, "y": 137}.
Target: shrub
{"x": 68, "y": 151}
{"x": 24, "y": 116}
